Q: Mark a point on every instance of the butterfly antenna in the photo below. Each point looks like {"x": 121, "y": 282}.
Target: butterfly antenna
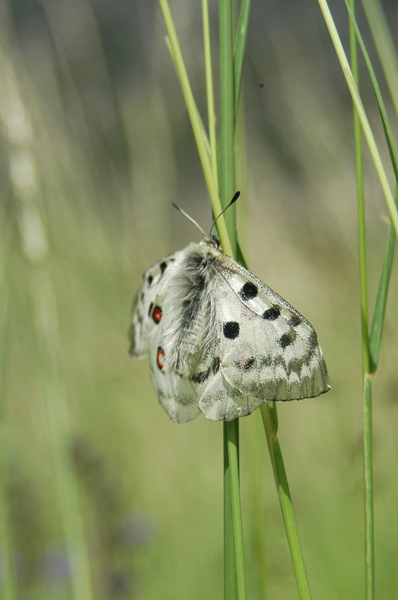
{"x": 234, "y": 199}
{"x": 188, "y": 217}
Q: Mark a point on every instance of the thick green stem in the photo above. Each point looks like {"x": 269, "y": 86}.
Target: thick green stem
{"x": 366, "y": 357}
{"x": 235, "y": 586}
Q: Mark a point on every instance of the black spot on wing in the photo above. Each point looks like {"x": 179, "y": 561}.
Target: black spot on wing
{"x": 272, "y": 313}
{"x": 296, "y": 364}
{"x": 231, "y": 330}
{"x": 163, "y": 267}
{"x": 150, "y": 279}
{"x": 150, "y": 309}
{"x": 287, "y": 338}
{"x": 294, "y": 321}
{"x": 248, "y": 291}
{"x": 312, "y": 339}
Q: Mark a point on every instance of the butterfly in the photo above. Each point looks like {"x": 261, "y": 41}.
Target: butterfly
{"x": 219, "y": 340}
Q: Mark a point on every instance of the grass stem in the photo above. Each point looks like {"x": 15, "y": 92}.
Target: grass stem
{"x": 368, "y": 486}
{"x": 270, "y": 422}
{"x": 366, "y": 357}
{"x": 226, "y": 171}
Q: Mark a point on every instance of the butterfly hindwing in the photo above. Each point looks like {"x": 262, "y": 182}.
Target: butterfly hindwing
{"x": 146, "y": 311}
{"x": 176, "y": 394}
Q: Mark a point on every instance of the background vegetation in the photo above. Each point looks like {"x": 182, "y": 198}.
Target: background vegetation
{"x": 95, "y": 144}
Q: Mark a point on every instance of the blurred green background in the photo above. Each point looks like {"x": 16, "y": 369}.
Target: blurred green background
{"x": 95, "y": 145}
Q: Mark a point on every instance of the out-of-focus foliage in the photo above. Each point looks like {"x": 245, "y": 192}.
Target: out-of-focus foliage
{"x": 95, "y": 144}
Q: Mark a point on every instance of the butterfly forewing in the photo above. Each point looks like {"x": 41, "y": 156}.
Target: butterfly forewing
{"x": 278, "y": 356}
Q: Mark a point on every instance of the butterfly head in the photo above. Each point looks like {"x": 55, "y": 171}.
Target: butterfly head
{"x": 211, "y": 240}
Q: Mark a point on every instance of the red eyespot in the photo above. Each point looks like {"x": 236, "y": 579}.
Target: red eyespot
{"x": 160, "y": 358}
{"x": 157, "y": 314}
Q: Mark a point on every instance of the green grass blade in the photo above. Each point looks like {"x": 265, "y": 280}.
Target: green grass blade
{"x": 198, "y": 116}
{"x": 227, "y": 118}
{"x": 234, "y": 564}
{"x": 197, "y": 126}
{"x": 361, "y": 113}
{"x": 384, "y": 44}
{"x": 230, "y": 577}
{"x": 381, "y": 301}
{"x": 383, "y": 113}
{"x": 368, "y": 465}
{"x": 211, "y": 114}
{"x": 270, "y": 422}
{"x": 240, "y": 47}
{"x": 368, "y": 475}
{"x": 361, "y": 209}
{"x": 376, "y": 327}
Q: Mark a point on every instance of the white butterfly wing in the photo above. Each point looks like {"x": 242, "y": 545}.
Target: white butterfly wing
{"x": 176, "y": 394}
{"x": 268, "y": 351}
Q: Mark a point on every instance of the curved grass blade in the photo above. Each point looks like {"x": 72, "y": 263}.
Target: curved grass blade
{"x": 384, "y": 44}
{"x": 376, "y": 327}
{"x": 196, "y": 124}
{"x": 381, "y": 301}
{"x": 380, "y": 103}
{"x": 211, "y": 113}
{"x": 361, "y": 113}
{"x": 270, "y": 421}
{"x": 199, "y": 118}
